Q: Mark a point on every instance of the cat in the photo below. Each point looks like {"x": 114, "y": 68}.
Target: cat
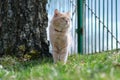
{"x": 59, "y": 33}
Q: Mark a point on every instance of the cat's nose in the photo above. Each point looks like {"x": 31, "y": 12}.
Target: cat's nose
{"x": 67, "y": 22}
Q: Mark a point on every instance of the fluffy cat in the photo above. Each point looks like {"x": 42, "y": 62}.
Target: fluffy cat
{"x": 59, "y": 33}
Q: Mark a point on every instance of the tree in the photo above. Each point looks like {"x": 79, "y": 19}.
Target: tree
{"x": 23, "y": 28}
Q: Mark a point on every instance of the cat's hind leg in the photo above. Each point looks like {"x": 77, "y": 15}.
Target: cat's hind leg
{"x": 55, "y": 57}
{"x": 63, "y": 57}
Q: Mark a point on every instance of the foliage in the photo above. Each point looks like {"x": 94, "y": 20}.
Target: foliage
{"x": 104, "y": 66}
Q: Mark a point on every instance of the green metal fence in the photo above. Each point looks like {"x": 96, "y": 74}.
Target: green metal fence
{"x": 101, "y": 26}
{"x": 94, "y": 23}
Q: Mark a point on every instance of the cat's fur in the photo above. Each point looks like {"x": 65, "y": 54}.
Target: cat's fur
{"x": 59, "y": 33}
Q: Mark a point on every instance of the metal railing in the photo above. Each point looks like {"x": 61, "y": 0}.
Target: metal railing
{"x": 99, "y": 27}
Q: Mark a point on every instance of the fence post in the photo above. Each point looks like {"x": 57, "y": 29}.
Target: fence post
{"x": 80, "y": 25}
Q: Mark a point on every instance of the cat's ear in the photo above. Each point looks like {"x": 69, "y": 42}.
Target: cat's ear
{"x": 56, "y": 12}
{"x": 68, "y": 13}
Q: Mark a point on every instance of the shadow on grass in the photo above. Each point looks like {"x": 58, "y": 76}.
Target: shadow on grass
{"x": 14, "y": 64}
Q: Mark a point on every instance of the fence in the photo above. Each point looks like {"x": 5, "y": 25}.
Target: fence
{"x": 101, "y": 26}
{"x": 97, "y": 19}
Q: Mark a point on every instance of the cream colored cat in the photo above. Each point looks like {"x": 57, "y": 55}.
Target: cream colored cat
{"x": 59, "y": 33}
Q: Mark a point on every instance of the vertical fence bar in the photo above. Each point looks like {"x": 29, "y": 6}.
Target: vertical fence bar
{"x": 85, "y": 27}
{"x": 107, "y": 21}
{"x": 76, "y": 28}
{"x": 84, "y": 24}
{"x": 80, "y": 25}
{"x": 99, "y": 25}
{"x": 116, "y": 26}
{"x": 111, "y": 24}
{"x": 103, "y": 26}
{"x": 95, "y": 26}
{"x": 88, "y": 26}
{"x": 72, "y": 18}
{"x": 91, "y": 27}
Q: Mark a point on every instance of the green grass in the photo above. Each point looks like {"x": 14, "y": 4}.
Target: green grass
{"x": 102, "y": 66}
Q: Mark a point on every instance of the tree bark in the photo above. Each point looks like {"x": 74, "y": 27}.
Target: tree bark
{"x": 23, "y": 28}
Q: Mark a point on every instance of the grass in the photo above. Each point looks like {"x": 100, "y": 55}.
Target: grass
{"x": 104, "y": 66}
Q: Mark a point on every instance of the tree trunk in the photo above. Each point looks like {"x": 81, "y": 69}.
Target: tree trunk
{"x": 23, "y": 28}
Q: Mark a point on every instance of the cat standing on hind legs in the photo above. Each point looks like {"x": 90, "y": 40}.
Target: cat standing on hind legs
{"x": 59, "y": 33}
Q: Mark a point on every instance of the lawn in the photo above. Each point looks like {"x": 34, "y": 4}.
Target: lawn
{"x": 100, "y": 66}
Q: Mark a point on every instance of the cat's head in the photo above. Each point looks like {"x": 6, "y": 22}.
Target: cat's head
{"x": 61, "y": 21}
